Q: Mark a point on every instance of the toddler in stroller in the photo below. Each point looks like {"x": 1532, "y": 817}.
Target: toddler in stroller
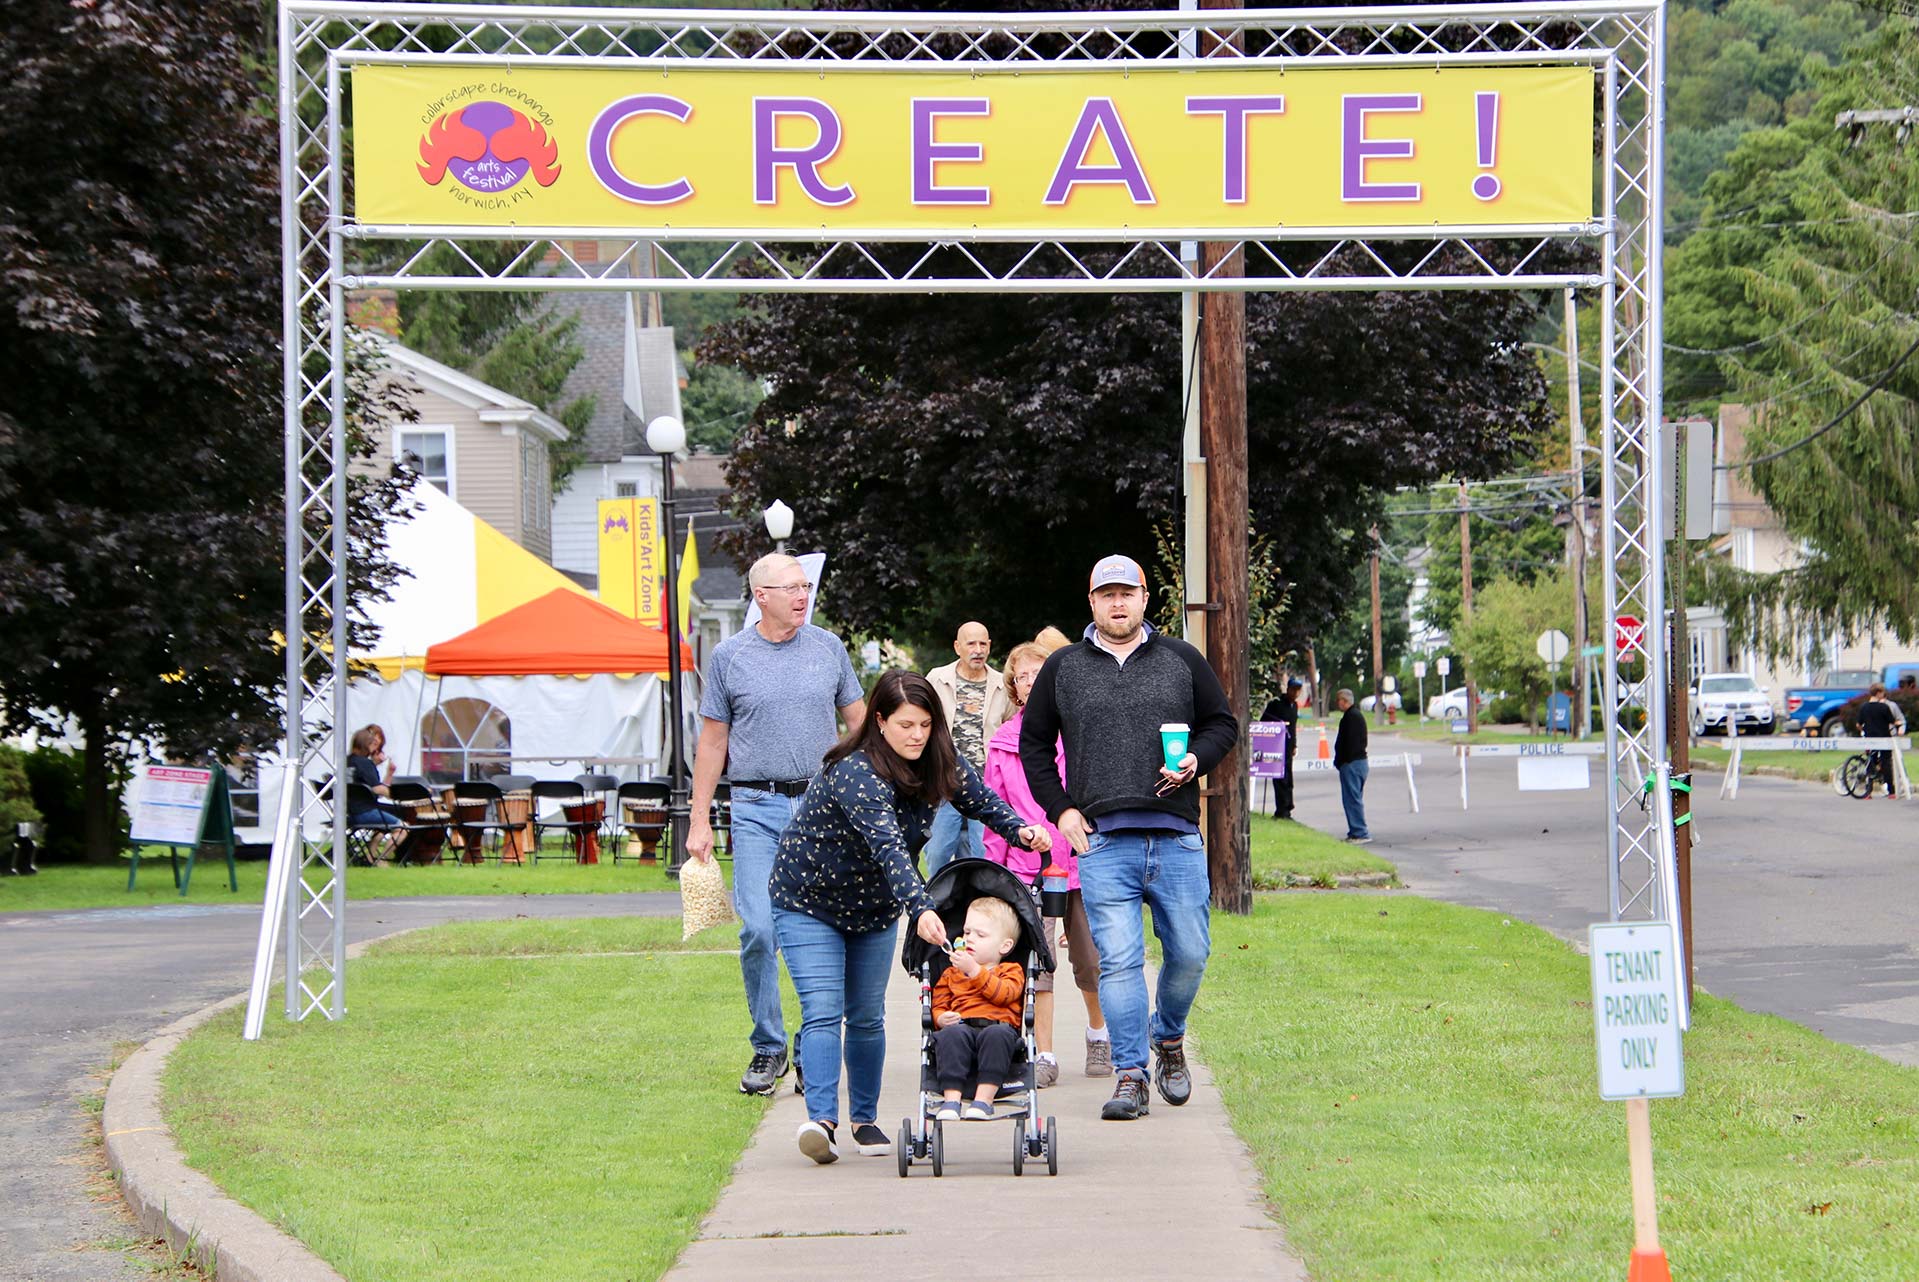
{"x": 976, "y": 1015}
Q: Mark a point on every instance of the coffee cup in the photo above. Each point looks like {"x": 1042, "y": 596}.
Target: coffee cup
{"x": 1173, "y": 738}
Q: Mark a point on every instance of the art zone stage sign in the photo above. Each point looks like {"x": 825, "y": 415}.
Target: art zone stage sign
{"x": 939, "y": 153}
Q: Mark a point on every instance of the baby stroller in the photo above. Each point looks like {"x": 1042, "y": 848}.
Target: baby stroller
{"x": 922, "y": 1136}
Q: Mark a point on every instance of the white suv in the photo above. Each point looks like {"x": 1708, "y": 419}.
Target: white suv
{"x": 1719, "y": 699}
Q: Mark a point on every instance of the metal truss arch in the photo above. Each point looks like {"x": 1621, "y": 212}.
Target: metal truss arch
{"x": 326, "y": 252}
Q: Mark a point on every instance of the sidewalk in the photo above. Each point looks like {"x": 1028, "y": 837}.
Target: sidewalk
{"x": 1173, "y": 1193}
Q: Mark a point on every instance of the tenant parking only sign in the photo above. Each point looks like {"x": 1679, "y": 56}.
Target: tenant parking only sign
{"x": 1635, "y": 1011}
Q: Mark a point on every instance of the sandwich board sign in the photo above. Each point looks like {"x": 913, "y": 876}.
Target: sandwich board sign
{"x": 175, "y": 806}
{"x": 1636, "y": 1011}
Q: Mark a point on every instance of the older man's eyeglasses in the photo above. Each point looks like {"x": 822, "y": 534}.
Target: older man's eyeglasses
{"x": 792, "y": 589}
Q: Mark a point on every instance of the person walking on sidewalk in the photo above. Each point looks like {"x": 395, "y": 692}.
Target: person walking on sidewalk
{"x": 1133, "y": 819}
{"x": 1349, "y": 758}
{"x": 973, "y": 697}
{"x": 1285, "y": 709}
{"x": 767, "y": 719}
{"x": 1006, "y": 776}
{"x": 843, "y": 875}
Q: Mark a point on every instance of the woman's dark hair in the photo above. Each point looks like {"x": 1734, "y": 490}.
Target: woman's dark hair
{"x": 934, "y": 778}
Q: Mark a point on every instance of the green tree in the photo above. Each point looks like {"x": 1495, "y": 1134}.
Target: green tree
{"x": 1806, "y": 315}
{"x": 506, "y": 339}
{"x": 1499, "y": 640}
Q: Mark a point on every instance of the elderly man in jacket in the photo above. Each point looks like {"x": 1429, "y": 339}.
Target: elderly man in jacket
{"x": 974, "y": 698}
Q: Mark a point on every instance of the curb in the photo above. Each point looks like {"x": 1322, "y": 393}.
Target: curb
{"x": 173, "y": 1201}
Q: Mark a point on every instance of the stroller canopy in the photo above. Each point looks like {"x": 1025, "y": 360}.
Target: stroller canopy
{"x": 958, "y": 884}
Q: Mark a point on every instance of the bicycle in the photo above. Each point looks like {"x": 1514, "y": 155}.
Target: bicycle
{"x": 1855, "y": 776}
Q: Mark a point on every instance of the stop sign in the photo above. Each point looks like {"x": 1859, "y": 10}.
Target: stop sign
{"x": 1629, "y": 634}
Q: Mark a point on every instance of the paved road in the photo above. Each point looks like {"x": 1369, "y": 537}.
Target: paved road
{"x": 75, "y": 984}
{"x": 1806, "y": 904}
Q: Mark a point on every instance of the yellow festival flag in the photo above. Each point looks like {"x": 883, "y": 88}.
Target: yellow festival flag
{"x": 689, "y": 571}
{"x": 632, "y": 558}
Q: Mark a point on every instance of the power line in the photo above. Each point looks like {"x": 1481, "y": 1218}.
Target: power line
{"x": 1844, "y": 414}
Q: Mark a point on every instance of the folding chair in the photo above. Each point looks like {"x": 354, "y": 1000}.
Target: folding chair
{"x": 422, "y": 818}
{"x": 644, "y": 816}
{"x": 516, "y": 812}
{"x": 477, "y": 819}
{"x": 607, "y": 788}
{"x": 361, "y": 838}
{"x": 569, "y": 816}
{"x": 722, "y": 820}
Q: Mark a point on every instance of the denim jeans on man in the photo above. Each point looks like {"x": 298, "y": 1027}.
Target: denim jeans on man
{"x": 841, "y": 979}
{"x": 1166, "y": 872}
{"x": 953, "y": 836}
{"x": 1352, "y": 795}
{"x": 758, "y": 820}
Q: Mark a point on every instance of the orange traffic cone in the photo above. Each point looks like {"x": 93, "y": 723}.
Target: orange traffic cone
{"x": 1325, "y": 749}
{"x": 1649, "y": 1266}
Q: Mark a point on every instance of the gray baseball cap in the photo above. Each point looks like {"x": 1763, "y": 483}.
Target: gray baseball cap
{"x": 1117, "y": 569}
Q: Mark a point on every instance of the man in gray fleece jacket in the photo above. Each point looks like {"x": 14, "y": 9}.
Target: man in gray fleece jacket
{"x": 1133, "y": 820}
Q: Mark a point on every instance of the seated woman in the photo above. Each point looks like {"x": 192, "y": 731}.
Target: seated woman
{"x": 367, "y": 765}
{"x": 843, "y": 874}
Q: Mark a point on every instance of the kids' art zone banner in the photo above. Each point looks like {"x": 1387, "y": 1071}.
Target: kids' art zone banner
{"x": 951, "y": 154}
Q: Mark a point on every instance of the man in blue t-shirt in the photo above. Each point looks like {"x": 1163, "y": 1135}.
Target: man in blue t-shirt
{"x": 766, "y": 720}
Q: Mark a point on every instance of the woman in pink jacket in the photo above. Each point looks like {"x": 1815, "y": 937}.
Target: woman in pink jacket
{"x": 1005, "y": 776}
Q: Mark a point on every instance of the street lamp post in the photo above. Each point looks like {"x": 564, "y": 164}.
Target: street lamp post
{"x": 666, "y": 436}
{"x": 779, "y": 524}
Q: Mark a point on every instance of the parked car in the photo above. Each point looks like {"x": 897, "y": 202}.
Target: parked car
{"x": 1452, "y": 703}
{"x": 1393, "y": 702}
{"x": 1718, "y": 700}
{"x": 1813, "y": 709}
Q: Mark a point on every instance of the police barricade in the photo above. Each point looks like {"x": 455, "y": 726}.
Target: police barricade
{"x": 1541, "y": 767}
{"x": 1384, "y": 761}
{"x": 1740, "y": 745}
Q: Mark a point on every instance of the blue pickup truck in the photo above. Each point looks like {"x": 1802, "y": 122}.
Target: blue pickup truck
{"x": 1812, "y": 709}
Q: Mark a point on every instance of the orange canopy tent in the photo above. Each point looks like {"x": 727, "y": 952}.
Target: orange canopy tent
{"x": 559, "y": 634}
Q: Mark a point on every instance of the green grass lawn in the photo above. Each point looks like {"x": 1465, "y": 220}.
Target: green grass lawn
{"x": 105, "y": 886}
{"x": 1283, "y": 848}
{"x": 507, "y": 1101}
{"x": 1417, "y": 1085}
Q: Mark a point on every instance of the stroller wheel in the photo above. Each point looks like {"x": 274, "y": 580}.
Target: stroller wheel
{"x": 1019, "y": 1148}
{"x": 1052, "y": 1146}
{"x": 939, "y": 1151}
{"x": 904, "y": 1146}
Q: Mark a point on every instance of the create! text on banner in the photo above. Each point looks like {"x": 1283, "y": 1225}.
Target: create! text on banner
{"x": 949, "y": 154}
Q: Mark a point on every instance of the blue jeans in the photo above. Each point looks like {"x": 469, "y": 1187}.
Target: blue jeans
{"x": 758, "y": 820}
{"x": 841, "y": 979}
{"x": 953, "y": 836}
{"x": 1352, "y": 795}
{"x": 1166, "y": 872}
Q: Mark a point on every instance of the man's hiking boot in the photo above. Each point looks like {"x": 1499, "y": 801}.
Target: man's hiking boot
{"x": 1169, "y": 1071}
{"x": 767, "y": 1068}
{"x": 1099, "y": 1057}
{"x": 1130, "y": 1100}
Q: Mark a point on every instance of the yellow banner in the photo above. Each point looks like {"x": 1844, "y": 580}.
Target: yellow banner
{"x": 632, "y": 559}
{"x": 947, "y": 154}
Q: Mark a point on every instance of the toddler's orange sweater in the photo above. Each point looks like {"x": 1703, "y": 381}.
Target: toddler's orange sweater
{"x": 997, "y": 992}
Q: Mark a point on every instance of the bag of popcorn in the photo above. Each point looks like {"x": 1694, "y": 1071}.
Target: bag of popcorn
{"x": 704, "y": 901}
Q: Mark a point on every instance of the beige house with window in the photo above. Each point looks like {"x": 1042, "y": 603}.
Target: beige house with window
{"x": 484, "y": 449}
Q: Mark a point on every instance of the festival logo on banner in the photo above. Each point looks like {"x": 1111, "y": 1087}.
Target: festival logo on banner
{"x": 488, "y": 149}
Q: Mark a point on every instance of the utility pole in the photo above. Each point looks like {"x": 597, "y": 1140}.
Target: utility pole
{"x": 1679, "y": 734}
{"x": 1576, "y": 532}
{"x": 1466, "y": 604}
{"x": 1222, "y": 429}
{"x": 1379, "y": 666}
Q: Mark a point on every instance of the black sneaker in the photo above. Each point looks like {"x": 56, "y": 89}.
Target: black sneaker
{"x": 1130, "y": 1100}
{"x": 767, "y": 1068}
{"x": 819, "y": 1142}
{"x": 1175, "y": 1082}
{"x": 871, "y": 1139}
